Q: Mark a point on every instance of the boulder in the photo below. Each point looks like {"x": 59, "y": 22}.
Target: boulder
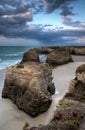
{"x": 29, "y": 86}
{"x": 59, "y": 56}
{"x": 31, "y": 55}
{"x": 80, "y": 69}
{"x": 77, "y": 86}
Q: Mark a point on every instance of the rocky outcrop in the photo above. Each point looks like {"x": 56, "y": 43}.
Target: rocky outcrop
{"x": 77, "y": 50}
{"x": 55, "y": 55}
{"x": 77, "y": 86}
{"x": 59, "y": 56}
{"x": 70, "y": 115}
{"x": 30, "y": 87}
{"x": 80, "y": 69}
{"x": 31, "y": 55}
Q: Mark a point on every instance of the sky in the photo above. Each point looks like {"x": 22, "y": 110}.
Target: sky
{"x": 42, "y": 22}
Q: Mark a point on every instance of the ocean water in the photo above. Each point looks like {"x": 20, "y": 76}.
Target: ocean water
{"x": 10, "y": 55}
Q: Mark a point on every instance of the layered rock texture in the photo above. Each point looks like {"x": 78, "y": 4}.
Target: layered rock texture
{"x": 30, "y": 87}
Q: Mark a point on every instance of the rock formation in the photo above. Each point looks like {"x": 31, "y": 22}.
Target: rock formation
{"x": 77, "y": 50}
{"x": 59, "y": 56}
{"x": 29, "y": 84}
{"x": 80, "y": 69}
{"x": 30, "y": 87}
{"x": 77, "y": 86}
{"x": 55, "y": 55}
{"x": 31, "y": 55}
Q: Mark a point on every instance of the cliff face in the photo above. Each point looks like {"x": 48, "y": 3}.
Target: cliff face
{"x": 30, "y": 87}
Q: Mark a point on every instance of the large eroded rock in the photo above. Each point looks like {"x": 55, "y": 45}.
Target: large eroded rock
{"x": 30, "y": 87}
{"x": 59, "y": 56}
{"x": 77, "y": 86}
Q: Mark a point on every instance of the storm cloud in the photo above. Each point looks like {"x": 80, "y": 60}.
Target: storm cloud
{"x": 55, "y": 4}
{"x": 66, "y": 10}
{"x": 69, "y": 22}
{"x": 14, "y": 16}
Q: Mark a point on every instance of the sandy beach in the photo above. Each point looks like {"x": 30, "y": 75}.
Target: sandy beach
{"x": 2, "y": 78}
{"x": 11, "y": 118}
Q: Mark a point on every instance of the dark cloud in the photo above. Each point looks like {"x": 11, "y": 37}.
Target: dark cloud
{"x": 15, "y": 19}
{"x": 10, "y": 2}
{"x": 8, "y": 9}
{"x": 55, "y": 4}
{"x": 14, "y": 15}
{"x": 69, "y": 22}
{"x": 36, "y": 6}
{"x": 46, "y": 36}
{"x": 66, "y": 10}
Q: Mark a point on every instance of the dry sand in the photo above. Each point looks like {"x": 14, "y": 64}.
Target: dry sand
{"x": 13, "y": 119}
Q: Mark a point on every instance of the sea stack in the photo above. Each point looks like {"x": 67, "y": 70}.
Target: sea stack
{"x": 29, "y": 84}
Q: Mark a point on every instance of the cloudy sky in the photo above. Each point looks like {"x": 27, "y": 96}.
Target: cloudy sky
{"x": 42, "y": 22}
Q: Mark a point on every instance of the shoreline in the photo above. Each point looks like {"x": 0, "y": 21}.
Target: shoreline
{"x": 11, "y": 115}
{"x": 2, "y": 78}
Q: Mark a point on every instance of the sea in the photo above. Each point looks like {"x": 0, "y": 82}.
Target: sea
{"x": 10, "y": 55}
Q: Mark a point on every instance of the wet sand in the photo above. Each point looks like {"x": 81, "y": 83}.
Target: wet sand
{"x": 11, "y": 118}
{"x": 2, "y": 78}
